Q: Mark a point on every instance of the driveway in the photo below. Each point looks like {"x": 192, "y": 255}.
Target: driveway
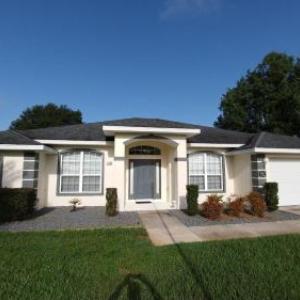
{"x": 61, "y": 218}
{"x": 295, "y": 209}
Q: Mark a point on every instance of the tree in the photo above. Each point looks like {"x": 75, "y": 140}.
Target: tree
{"x": 40, "y": 116}
{"x": 265, "y": 99}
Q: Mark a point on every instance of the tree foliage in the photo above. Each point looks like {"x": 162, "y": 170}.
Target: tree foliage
{"x": 40, "y": 116}
{"x": 266, "y": 99}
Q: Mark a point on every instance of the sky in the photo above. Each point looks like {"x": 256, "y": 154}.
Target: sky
{"x": 112, "y": 59}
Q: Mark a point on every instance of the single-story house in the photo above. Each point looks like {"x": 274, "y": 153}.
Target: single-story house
{"x": 149, "y": 161}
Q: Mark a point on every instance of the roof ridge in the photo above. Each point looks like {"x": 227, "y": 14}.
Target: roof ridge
{"x": 148, "y": 119}
{"x": 259, "y": 138}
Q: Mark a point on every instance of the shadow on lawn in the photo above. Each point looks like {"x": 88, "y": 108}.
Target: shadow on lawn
{"x": 196, "y": 273}
{"x": 135, "y": 284}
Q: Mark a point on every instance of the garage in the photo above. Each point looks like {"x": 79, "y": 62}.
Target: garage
{"x": 286, "y": 172}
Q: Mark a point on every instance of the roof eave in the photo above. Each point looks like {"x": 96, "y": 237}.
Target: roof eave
{"x": 76, "y": 142}
{"x": 20, "y": 147}
{"x": 112, "y": 130}
{"x": 214, "y": 145}
{"x": 265, "y": 150}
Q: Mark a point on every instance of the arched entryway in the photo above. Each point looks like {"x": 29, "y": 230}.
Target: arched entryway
{"x": 150, "y": 173}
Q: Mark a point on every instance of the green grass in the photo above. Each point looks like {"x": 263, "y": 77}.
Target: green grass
{"x": 122, "y": 264}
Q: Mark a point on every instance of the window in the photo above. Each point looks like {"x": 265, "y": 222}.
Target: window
{"x": 81, "y": 172}
{"x": 206, "y": 171}
{"x": 30, "y": 170}
{"x": 1, "y": 170}
{"x": 144, "y": 150}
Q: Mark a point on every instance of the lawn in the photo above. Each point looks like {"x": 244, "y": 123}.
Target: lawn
{"x": 122, "y": 264}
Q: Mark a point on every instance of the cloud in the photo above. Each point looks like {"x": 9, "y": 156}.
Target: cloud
{"x": 179, "y": 8}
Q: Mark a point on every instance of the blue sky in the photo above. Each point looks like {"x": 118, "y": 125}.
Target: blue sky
{"x": 112, "y": 59}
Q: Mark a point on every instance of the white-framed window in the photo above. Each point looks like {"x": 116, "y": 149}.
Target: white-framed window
{"x": 206, "y": 171}
{"x": 1, "y": 170}
{"x": 30, "y": 170}
{"x": 81, "y": 172}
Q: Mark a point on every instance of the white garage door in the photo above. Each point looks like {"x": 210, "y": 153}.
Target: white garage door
{"x": 286, "y": 172}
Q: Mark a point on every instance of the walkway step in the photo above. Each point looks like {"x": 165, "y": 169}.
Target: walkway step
{"x": 165, "y": 229}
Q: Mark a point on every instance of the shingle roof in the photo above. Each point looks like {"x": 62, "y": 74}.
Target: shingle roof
{"x": 94, "y": 132}
{"x": 271, "y": 140}
{"x": 14, "y": 138}
{"x": 220, "y": 136}
{"x": 79, "y": 132}
{"x": 148, "y": 122}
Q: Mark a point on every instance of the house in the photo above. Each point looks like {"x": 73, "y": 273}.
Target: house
{"x": 149, "y": 161}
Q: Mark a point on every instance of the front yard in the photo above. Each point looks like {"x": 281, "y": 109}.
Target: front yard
{"x": 122, "y": 264}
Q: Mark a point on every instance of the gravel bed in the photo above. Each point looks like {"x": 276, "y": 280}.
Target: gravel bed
{"x": 198, "y": 220}
{"x": 61, "y": 218}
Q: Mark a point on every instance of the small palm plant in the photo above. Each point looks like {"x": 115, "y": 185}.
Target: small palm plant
{"x": 75, "y": 202}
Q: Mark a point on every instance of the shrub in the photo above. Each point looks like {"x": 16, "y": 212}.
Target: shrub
{"x": 16, "y": 204}
{"x": 271, "y": 195}
{"x": 258, "y": 205}
{"x": 236, "y": 206}
{"x": 111, "y": 202}
{"x": 192, "y": 199}
{"x": 213, "y": 207}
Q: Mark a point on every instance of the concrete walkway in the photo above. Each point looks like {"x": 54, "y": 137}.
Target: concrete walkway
{"x": 250, "y": 230}
{"x": 165, "y": 229}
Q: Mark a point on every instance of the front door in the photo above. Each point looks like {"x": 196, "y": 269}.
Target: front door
{"x": 145, "y": 179}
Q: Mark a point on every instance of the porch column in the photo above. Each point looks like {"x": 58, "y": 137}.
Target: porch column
{"x": 119, "y": 170}
{"x": 181, "y": 161}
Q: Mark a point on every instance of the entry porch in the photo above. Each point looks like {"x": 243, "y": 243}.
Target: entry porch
{"x": 150, "y": 171}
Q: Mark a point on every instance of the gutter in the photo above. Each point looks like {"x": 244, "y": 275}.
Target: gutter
{"x": 264, "y": 150}
{"x": 18, "y": 147}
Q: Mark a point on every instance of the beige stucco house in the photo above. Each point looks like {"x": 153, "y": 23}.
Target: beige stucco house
{"x": 149, "y": 161}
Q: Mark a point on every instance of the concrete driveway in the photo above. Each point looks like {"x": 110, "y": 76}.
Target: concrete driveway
{"x": 295, "y": 209}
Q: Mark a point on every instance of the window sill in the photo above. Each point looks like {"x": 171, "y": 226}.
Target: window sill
{"x": 80, "y": 194}
{"x": 212, "y": 192}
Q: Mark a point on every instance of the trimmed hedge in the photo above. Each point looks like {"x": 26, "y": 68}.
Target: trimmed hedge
{"x": 271, "y": 195}
{"x": 111, "y": 202}
{"x": 16, "y": 204}
{"x": 192, "y": 199}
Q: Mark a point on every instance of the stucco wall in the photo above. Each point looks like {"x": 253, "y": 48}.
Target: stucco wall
{"x": 228, "y": 172}
{"x": 174, "y": 175}
{"x": 242, "y": 174}
{"x": 50, "y": 180}
{"x": 42, "y": 181}
{"x": 12, "y": 174}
